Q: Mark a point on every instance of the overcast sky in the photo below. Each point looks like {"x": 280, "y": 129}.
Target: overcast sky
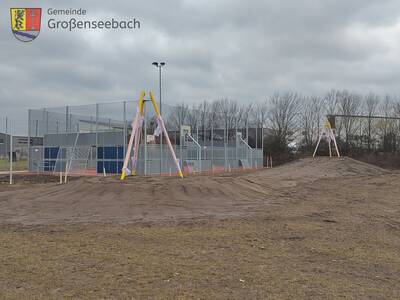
{"x": 243, "y": 50}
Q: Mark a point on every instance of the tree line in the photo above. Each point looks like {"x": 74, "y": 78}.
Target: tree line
{"x": 293, "y": 122}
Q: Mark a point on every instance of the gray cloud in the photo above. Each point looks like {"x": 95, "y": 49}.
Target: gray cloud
{"x": 213, "y": 49}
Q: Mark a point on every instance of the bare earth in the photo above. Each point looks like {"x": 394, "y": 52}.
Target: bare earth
{"x": 316, "y": 228}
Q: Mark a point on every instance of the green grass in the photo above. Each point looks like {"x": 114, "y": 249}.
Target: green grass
{"x": 17, "y": 166}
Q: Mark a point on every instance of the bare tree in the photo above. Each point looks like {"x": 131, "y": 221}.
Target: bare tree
{"x": 178, "y": 116}
{"x": 228, "y": 110}
{"x": 284, "y": 111}
{"x": 396, "y": 108}
{"x": 243, "y": 117}
{"x": 203, "y": 118}
{"x": 193, "y": 117}
{"x": 370, "y": 106}
{"x": 203, "y": 109}
{"x": 348, "y": 105}
{"x": 259, "y": 113}
{"x": 331, "y": 101}
{"x": 310, "y": 121}
{"x": 387, "y": 128}
{"x": 396, "y": 113}
{"x": 213, "y": 116}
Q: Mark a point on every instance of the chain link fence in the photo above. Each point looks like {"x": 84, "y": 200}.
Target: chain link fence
{"x": 13, "y": 145}
{"x": 92, "y": 139}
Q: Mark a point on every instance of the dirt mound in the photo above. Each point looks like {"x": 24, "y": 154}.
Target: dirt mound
{"x": 143, "y": 199}
{"x": 322, "y": 167}
{"x": 30, "y": 178}
{"x": 135, "y": 200}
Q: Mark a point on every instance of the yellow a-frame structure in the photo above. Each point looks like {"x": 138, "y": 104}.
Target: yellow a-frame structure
{"x": 134, "y": 140}
{"x": 329, "y": 135}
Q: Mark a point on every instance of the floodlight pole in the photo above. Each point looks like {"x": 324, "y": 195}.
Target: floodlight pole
{"x": 159, "y": 65}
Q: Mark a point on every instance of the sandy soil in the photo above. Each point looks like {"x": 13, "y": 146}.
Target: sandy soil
{"x": 137, "y": 199}
{"x": 316, "y": 228}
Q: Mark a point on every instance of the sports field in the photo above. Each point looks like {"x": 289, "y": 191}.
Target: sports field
{"x": 315, "y": 228}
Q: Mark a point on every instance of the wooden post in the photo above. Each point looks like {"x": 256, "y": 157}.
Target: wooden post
{"x": 11, "y": 156}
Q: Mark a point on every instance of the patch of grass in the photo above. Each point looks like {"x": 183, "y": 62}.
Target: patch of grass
{"x": 20, "y": 165}
{"x": 233, "y": 259}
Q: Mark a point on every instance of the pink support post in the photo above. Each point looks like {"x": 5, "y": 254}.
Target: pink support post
{"x": 161, "y": 123}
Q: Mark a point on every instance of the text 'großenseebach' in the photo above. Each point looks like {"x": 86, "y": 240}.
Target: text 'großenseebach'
{"x": 77, "y": 19}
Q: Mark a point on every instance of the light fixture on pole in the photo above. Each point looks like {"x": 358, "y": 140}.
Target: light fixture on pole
{"x": 159, "y": 65}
